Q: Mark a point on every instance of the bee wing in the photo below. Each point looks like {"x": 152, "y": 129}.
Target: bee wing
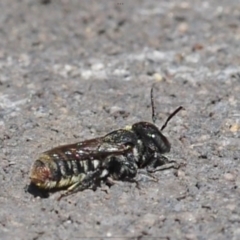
{"x": 101, "y": 146}
{"x": 121, "y": 140}
{"x": 117, "y": 142}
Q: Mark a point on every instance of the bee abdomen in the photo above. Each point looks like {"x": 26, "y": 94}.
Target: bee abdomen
{"x": 90, "y": 165}
{"x": 68, "y": 166}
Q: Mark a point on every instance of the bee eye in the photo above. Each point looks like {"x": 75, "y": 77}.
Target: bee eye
{"x": 151, "y": 135}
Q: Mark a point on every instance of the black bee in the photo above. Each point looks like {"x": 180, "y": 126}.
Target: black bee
{"x": 115, "y": 156}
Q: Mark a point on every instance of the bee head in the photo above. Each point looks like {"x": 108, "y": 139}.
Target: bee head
{"x": 42, "y": 171}
{"x": 151, "y": 137}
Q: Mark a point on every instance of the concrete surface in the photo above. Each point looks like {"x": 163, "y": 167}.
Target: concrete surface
{"x": 72, "y": 70}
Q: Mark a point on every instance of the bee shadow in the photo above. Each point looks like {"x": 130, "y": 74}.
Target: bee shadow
{"x": 37, "y": 192}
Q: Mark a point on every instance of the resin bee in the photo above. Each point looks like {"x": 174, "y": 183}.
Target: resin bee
{"x": 116, "y": 156}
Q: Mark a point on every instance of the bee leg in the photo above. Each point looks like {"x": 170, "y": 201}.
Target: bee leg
{"x": 146, "y": 173}
{"x": 110, "y": 181}
{"x": 87, "y": 182}
{"x": 121, "y": 168}
{"x": 72, "y": 189}
{"x": 159, "y": 163}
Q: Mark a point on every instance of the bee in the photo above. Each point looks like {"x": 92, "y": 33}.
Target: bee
{"x": 116, "y": 156}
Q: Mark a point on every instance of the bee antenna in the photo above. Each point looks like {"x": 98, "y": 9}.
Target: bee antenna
{"x": 170, "y": 116}
{"x": 153, "y": 107}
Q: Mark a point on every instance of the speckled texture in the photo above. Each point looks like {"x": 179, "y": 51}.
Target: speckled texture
{"x": 72, "y": 70}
